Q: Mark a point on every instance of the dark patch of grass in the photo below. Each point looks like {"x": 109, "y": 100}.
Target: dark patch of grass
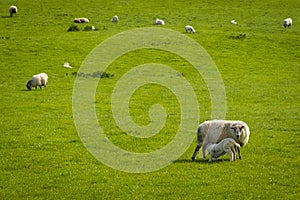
{"x": 90, "y": 28}
{"x": 240, "y": 36}
{"x": 73, "y": 28}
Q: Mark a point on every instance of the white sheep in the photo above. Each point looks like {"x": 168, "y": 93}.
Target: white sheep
{"x": 115, "y": 19}
{"x": 38, "y": 80}
{"x": 13, "y": 10}
{"x": 190, "y": 29}
{"x": 81, "y": 20}
{"x": 159, "y": 22}
{"x": 227, "y": 145}
{"x": 214, "y": 131}
{"x": 287, "y": 22}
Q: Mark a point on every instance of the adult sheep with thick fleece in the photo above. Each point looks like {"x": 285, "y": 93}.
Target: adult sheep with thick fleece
{"x": 190, "y": 29}
{"x": 115, "y": 19}
{"x": 159, "y": 22}
{"x": 287, "y": 22}
{"x": 38, "y": 80}
{"x": 228, "y": 145}
{"x": 214, "y": 131}
{"x": 81, "y": 20}
{"x": 13, "y": 10}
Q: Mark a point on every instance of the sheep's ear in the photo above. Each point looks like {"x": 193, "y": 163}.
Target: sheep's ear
{"x": 242, "y": 127}
{"x": 232, "y": 127}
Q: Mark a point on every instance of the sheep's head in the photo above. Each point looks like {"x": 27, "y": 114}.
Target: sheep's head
{"x": 237, "y": 129}
{"x": 28, "y": 85}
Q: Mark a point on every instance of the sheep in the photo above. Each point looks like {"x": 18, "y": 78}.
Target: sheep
{"x": 12, "y": 10}
{"x": 81, "y": 20}
{"x": 159, "y": 22}
{"x": 228, "y": 145}
{"x": 214, "y": 131}
{"x": 190, "y": 29}
{"x": 38, "y": 80}
{"x": 115, "y": 19}
{"x": 287, "y": 22}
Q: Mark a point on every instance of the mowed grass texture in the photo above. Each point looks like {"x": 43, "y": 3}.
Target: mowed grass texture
{"x": 41, "y": 154}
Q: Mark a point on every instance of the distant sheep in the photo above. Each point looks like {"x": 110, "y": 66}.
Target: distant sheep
{"x": 12, "y": 10}
{"x": 215, "y": 131}
{"x": 287, "y": 22}
{"x": 159, "y": 22}
{"x": 38, "y": 80}
{"x": 190, "y": 29}
{"x": 228, "y": 145}
{"x": 81, "y": 20}
{"x": 115, "y": 19}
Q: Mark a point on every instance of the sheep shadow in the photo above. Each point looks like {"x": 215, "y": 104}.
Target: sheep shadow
{"x": 204, "y": 161}
{"x": 191, "y": 161}
{"x": 33, "y": 90}
{"x": 5, "y": 16}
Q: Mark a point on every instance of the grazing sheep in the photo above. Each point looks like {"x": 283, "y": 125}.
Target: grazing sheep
{"x": 159, "y": 22}
{"x": 228, "y": 145}
{"x": 38, "y": 80}
{"x": 115, "y": 19}
{"x": 81, "y": 20}
{"x": 215, "y": 131}
{"x": 287, "y": 22}
{"x": 13, "y": 10}
{"x": 189, "y": 29}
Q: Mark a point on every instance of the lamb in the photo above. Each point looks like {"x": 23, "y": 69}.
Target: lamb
{"x": 228, "y": 145}
{"x": 190, "y": 29}
{"x": 38, "y": 80}
{"x": 287, "y": 22}
{"x": 13, "y": 10}
{"x": 115, "y": 19}
{"x": 214, "y": 131}
{"x": 159, "y": 22}
{"x": 81, "y": 20}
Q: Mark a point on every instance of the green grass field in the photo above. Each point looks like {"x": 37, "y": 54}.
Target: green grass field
{"x": 41, "y": 153}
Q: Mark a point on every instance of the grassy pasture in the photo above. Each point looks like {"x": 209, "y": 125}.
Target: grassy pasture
{"x": 41, "y": 154}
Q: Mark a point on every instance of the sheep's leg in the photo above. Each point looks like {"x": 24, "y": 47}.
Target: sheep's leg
{"x": 196, "y": 151}
{"x": 233, "y": 153}
{"x": 204, "y": 150}
{"x": 239, "y": 152}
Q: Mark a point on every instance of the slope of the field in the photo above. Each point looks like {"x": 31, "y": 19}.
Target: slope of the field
{"x": 41, "y": 154}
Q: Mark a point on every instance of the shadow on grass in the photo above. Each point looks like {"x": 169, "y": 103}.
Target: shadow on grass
{"x": 200, "y": 161}
{"x": 5, "y": 16}
{"x": 191, "y": 161}
{"x": 33, "y": 90}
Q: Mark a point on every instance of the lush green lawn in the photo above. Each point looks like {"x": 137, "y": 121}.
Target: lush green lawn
{"x": 41, "y": 154}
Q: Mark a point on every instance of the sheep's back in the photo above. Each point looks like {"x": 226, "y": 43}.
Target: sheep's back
{"x": 214, "y": 131}
{"x": 39, "y": 79}
{"x": 44, "y": 78}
